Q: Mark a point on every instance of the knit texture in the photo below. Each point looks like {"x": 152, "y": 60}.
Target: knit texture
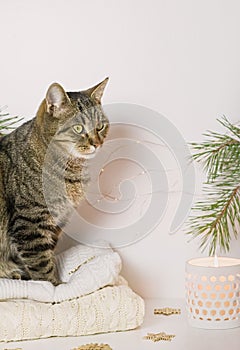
{"x": 93, "y": 299}
{"x": 109, "y": 309}
{"x": 82, "y": 269}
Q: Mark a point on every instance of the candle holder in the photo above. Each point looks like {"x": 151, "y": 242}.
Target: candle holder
{"x": 213, "y": 292}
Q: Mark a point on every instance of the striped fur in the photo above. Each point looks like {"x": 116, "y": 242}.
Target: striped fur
{"x": 49, "y": 149}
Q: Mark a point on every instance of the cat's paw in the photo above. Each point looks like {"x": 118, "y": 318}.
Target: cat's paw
{"x": 15, "y": 275}
{"x": 55, "y": 281}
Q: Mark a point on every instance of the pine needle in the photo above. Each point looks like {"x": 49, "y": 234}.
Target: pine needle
{"x": 7, "y": 122}
{"x": 216, "y": 217}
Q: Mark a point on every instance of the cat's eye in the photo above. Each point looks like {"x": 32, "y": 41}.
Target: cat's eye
{"x": 78, "y": 128}
{"x": 100, "y": 127}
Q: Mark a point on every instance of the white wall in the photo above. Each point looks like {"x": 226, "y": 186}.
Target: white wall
{"x": 180, "y": 58}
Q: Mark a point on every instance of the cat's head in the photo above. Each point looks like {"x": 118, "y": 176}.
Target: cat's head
{"x": 76, "y": 119}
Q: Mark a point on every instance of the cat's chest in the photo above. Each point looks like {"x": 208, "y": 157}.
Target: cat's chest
{"x": 75, "y": 192}
{"x": 76, "y": 179}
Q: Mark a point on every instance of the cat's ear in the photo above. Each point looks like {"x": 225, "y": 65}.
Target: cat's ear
{"x": 56, "y": 97}
{"x": 96, "y": 92}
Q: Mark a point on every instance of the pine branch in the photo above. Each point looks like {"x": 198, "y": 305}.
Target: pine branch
{"x": 216, "y": 217}
{"x": 220, "y": 152}
{"x": 7, "y": 122}
{"x": 218, "y": 214}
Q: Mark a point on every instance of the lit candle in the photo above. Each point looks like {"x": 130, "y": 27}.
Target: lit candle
{"x": 213, "y": 292}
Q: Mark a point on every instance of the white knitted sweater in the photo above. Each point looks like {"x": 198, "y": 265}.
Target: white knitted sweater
{"x": 93, "y": 299}
{"x": 82, "y": 269}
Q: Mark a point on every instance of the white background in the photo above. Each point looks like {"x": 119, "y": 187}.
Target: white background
{"x": 180, "y": 58}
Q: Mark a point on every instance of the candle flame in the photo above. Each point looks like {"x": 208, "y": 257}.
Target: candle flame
{"x": 215, "y": 262}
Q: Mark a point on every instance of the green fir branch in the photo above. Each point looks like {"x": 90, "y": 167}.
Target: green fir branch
{"x": 7, "y": 122}
{"x": 220, "y": 152}
{"x": 216, "y": 217}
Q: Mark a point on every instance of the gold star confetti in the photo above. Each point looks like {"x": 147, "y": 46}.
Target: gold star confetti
{"x": 159, "y": 336}
{"x": 167, "y": 311}
{"x": 93, "y": 347}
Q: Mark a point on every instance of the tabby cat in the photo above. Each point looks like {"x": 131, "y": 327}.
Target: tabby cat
{"x": 46, "y": 158}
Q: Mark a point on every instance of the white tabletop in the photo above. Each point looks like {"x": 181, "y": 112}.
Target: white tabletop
{"x": 187, "y": 338}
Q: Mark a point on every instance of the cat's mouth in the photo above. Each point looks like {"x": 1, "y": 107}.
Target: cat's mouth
{"x": 87, "y": 149}
{"x": 85, "y": 152}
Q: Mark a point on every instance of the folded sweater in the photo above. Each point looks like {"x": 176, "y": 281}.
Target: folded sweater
{"x": 109, "y": 309}
{"x": 82, "y": 269}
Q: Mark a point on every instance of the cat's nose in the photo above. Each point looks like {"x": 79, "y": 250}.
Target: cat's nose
{"x": 96, "y": 144}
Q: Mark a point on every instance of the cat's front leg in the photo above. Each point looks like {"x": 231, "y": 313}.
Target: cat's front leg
{"x": 41, "y": 266}
{"x": 34, "y": 245}
{"x": 38, "y": 259}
